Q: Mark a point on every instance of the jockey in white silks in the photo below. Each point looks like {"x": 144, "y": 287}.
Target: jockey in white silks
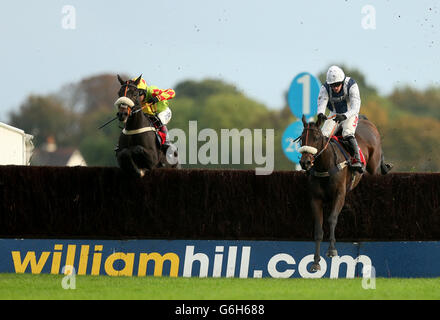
{"x": 340, "y": 94}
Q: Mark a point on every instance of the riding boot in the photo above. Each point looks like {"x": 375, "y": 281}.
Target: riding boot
{"x": 356, "y": 162}
{"x": 167, "y": 142}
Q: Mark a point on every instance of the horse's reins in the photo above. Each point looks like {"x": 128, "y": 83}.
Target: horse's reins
{"x": 331, "y": 171}
{"x": 131, "y": 112}
{"x": 129, "y": 109}
{"x": 140, "y": 130}
{"x": 127, "y": 84}
{"x": 326, "y": 144}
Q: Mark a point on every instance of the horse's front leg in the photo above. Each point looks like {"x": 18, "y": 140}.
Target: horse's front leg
{"x": 145, "y": 159}
{"x": 126, "y": 163}
{"x": 316, "y": 206}
{"x": 337, "y": 205}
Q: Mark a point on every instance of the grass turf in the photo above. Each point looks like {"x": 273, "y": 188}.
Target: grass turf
{"x": 48, "y": 287}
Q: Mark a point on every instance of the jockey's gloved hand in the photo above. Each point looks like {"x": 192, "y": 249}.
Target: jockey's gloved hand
{"x": 153, "y": 100}
{"x": 339, "y": 118}
{"x": 322, "y": 117}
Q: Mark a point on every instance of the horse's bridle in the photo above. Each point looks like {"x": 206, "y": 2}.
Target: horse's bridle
{"x": 305, "y": 148}
{"x": 312, "y": 150}
{"x": 131, "y": 109}
{"x": 128, "y": 84}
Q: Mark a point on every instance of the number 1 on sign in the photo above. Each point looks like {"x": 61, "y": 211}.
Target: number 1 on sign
{"x": 305, "y": 81}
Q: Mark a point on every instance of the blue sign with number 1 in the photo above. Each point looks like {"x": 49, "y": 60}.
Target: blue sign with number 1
{"x": 302, "y": 98}
{"x": 303, "y": 95}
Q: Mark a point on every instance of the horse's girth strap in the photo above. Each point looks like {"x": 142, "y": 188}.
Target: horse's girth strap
{"x": 332, "y": 171}
{"x": 137, "y": 131}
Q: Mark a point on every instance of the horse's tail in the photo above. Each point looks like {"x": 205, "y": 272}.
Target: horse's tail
{"x": 385, "y": 167}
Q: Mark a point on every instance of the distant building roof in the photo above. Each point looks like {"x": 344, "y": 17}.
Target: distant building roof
{"x": 60, "y": 157}
{"x": 50, "y": 155}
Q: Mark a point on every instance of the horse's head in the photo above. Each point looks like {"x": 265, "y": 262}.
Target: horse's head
{"x": 311, "y": 140}
{"x": 129, "y": 97}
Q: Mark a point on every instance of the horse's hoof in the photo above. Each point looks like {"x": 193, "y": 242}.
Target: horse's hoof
{"x": 332, "y": 253}
{"x": 315, "y": 267}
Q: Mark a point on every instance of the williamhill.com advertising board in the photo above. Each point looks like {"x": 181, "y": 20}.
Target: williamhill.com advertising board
{"x": 205, "y": 258}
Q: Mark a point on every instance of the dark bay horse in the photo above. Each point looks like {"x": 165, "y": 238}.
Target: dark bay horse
{"x": 329, "y": 176}
{"x": 139, "y": 149}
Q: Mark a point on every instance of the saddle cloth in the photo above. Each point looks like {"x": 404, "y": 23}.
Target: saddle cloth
{"x": 340, "y": 140}
{"x": 161, "y": 137}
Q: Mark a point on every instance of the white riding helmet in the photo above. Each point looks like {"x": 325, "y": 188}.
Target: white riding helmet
{"x": 335, "y": 74}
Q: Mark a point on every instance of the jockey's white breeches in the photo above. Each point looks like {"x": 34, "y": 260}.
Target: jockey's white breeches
{"x": 348, "y": 126}
{"x": 165, "y": 116}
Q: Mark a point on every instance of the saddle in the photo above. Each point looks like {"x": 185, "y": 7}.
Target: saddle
{"x": 341, "y": 144}
{"x": 160, "y": 133}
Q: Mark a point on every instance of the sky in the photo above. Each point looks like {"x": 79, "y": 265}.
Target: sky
{"x": 259, "y": 46}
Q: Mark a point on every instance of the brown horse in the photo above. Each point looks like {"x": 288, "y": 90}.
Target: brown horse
{"x": 138, "y": 149}
{"x": 330, "y": 177}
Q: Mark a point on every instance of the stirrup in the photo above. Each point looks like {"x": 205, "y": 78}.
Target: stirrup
{"x": 357, "y": 166}
{"x": 166, "y": 145}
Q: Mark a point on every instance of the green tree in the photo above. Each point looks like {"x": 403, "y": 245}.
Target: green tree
{"x": 98, "y": 150}
{"x": 419, "y": 102}
{"x": 408, "y": 119}
{"x": 97, "y": 145}
{"x": 44, "y": 116}
{"x": 90, "y": 94}
{"x": 200, "y": 90}
{"x": 217, "y": 105}
{"x": 412, "y": 144}
{"x": 231, "y": 111}
{"x": 93, "y": 99}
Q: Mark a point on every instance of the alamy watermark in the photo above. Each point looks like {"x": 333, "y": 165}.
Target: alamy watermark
{"x": 368, "y": 21}
{"x": 69, "y": 280}
{"x": 68, "y": 20}
{"x": 258, "y": 147}
{"x": 368, "y": 277}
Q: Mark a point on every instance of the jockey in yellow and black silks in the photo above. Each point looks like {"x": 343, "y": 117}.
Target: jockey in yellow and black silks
{"x": 155, "y": 102}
